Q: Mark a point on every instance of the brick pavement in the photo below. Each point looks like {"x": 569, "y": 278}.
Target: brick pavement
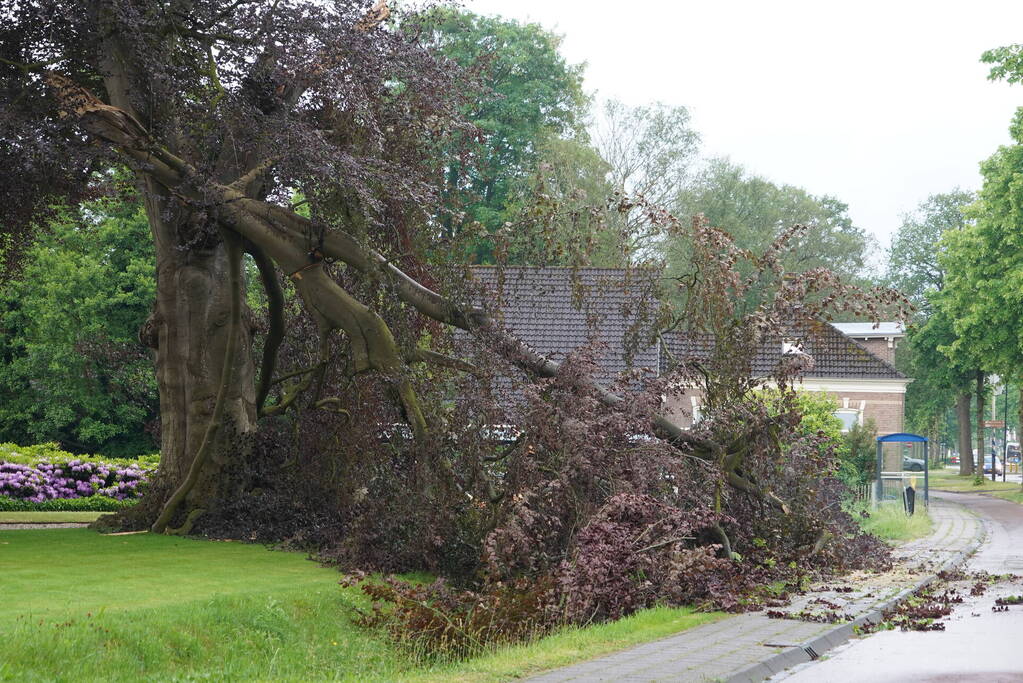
{"x": 752, "y": 647}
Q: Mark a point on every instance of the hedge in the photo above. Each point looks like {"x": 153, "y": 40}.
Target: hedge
{"x": 89, "y": 504}
{"x": 52, "y": 453}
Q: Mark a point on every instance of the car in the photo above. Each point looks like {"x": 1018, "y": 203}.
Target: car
{"x": 912, "y": 464}
{"x": 997, "y": 465}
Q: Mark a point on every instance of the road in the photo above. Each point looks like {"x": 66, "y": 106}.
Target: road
{"x": 977, "y": 643}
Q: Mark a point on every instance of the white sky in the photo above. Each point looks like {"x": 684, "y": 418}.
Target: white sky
{"x": 877, "y": 103}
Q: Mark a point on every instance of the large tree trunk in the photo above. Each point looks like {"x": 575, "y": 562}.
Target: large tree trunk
{"x": 965, "y": 433}
{"x": 189, "y": 330}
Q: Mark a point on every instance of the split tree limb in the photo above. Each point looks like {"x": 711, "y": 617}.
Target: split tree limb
{"x": 275, "y": 335}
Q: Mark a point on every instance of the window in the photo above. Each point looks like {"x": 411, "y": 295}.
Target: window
{"x": 849, "y": 418}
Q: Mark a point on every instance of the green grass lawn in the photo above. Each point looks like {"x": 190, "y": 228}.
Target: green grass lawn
{"x": 82, "y": 606}
{"x": 1013, "y": 496}
{"x": 949, "y": 480}
{"x": 48, "y": 517}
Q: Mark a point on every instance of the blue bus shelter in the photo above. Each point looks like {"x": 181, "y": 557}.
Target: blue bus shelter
{"x": 899, "y": 457}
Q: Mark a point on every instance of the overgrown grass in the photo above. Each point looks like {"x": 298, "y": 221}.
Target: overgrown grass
{"x": 47, "y": 517}
{"x": 891, "y": 523}
{"x": 81, "y": 606}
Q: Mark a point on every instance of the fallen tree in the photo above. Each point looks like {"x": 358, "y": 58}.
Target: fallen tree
{"x": 310, "y": 137}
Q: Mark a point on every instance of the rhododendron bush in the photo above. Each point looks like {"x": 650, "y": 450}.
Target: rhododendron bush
{"x": 73, "y": 479}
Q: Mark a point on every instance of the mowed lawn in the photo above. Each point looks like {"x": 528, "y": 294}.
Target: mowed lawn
{"x": 80, "y": 606}
{"x": 948, "y": 480}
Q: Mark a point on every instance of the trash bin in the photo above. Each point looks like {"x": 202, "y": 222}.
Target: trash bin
{"x": 909, "y": 499}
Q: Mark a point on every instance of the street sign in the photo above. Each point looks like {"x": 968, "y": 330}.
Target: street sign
{"x": 997, "y": 424}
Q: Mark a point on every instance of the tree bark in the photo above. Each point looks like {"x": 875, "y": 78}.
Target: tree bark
{"x": 965, "y": 434}
{"x": 189, "y": 329}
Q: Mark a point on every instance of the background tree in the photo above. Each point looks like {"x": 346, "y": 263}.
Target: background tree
{"x": 916, "y": 269}
{"x": 532, "y": 99}
{"x": 944, "y": 377}
{"x": 755, "y": 212}
{"x": 560, "y": 215}
{"x": 72, "y": 369}
{"x": 913, "y": 264}
{"x": 651, "y": 152}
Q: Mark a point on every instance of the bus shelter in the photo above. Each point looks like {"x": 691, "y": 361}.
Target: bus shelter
{"x": 902, "y": 466}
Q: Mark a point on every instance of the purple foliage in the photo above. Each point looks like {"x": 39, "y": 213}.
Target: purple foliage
{"x": 74, "y": 479}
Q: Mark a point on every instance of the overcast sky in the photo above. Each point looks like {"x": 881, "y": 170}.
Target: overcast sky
{"x": 877, "y": 103}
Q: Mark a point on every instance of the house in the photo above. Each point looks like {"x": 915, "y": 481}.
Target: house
{"x": 866, "y": 387}
{"x": 558, "y": 310}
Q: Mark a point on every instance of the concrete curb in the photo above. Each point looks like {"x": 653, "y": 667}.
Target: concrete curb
{"x": 840, "y": 634}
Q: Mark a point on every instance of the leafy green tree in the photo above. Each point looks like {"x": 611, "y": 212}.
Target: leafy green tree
{"x": 941, "y": 377}
{"x": 532, "y": 96}
{"x": 756, "y": 211}
{"x": 858, "y": 454}
{"x": 913, "y": 265}
{"x": 559, "y": 214}
{"x": 72, "y": 368}
{"x": 983, "y": 292}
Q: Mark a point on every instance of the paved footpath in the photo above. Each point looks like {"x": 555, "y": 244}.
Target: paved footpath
{"x": 753, "y": 647}
{"x": 992, "y": 638}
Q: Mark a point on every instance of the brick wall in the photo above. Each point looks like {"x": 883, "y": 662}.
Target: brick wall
{"x": 880, "y": 348}
{"x": 885, "y": 409}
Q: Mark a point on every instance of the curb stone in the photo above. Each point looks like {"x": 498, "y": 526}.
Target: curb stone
{"x": 812, "y": 649}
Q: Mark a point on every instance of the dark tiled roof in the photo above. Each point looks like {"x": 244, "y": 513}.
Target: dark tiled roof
{"x": 557, "y": 310}
{"x": 834, "y": 355}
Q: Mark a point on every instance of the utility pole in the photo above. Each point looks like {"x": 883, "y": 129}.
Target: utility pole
{"x": 1005, "y": 431}
{"x": 981, "y": 446}
{"x": 994, "y": 415}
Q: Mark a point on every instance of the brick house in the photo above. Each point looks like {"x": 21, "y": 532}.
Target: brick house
{"x": 866, "y": 386}
{"x": 557, "y": 310}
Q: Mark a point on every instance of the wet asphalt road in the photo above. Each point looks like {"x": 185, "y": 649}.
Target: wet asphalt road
{"x": 976, "y": 645}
